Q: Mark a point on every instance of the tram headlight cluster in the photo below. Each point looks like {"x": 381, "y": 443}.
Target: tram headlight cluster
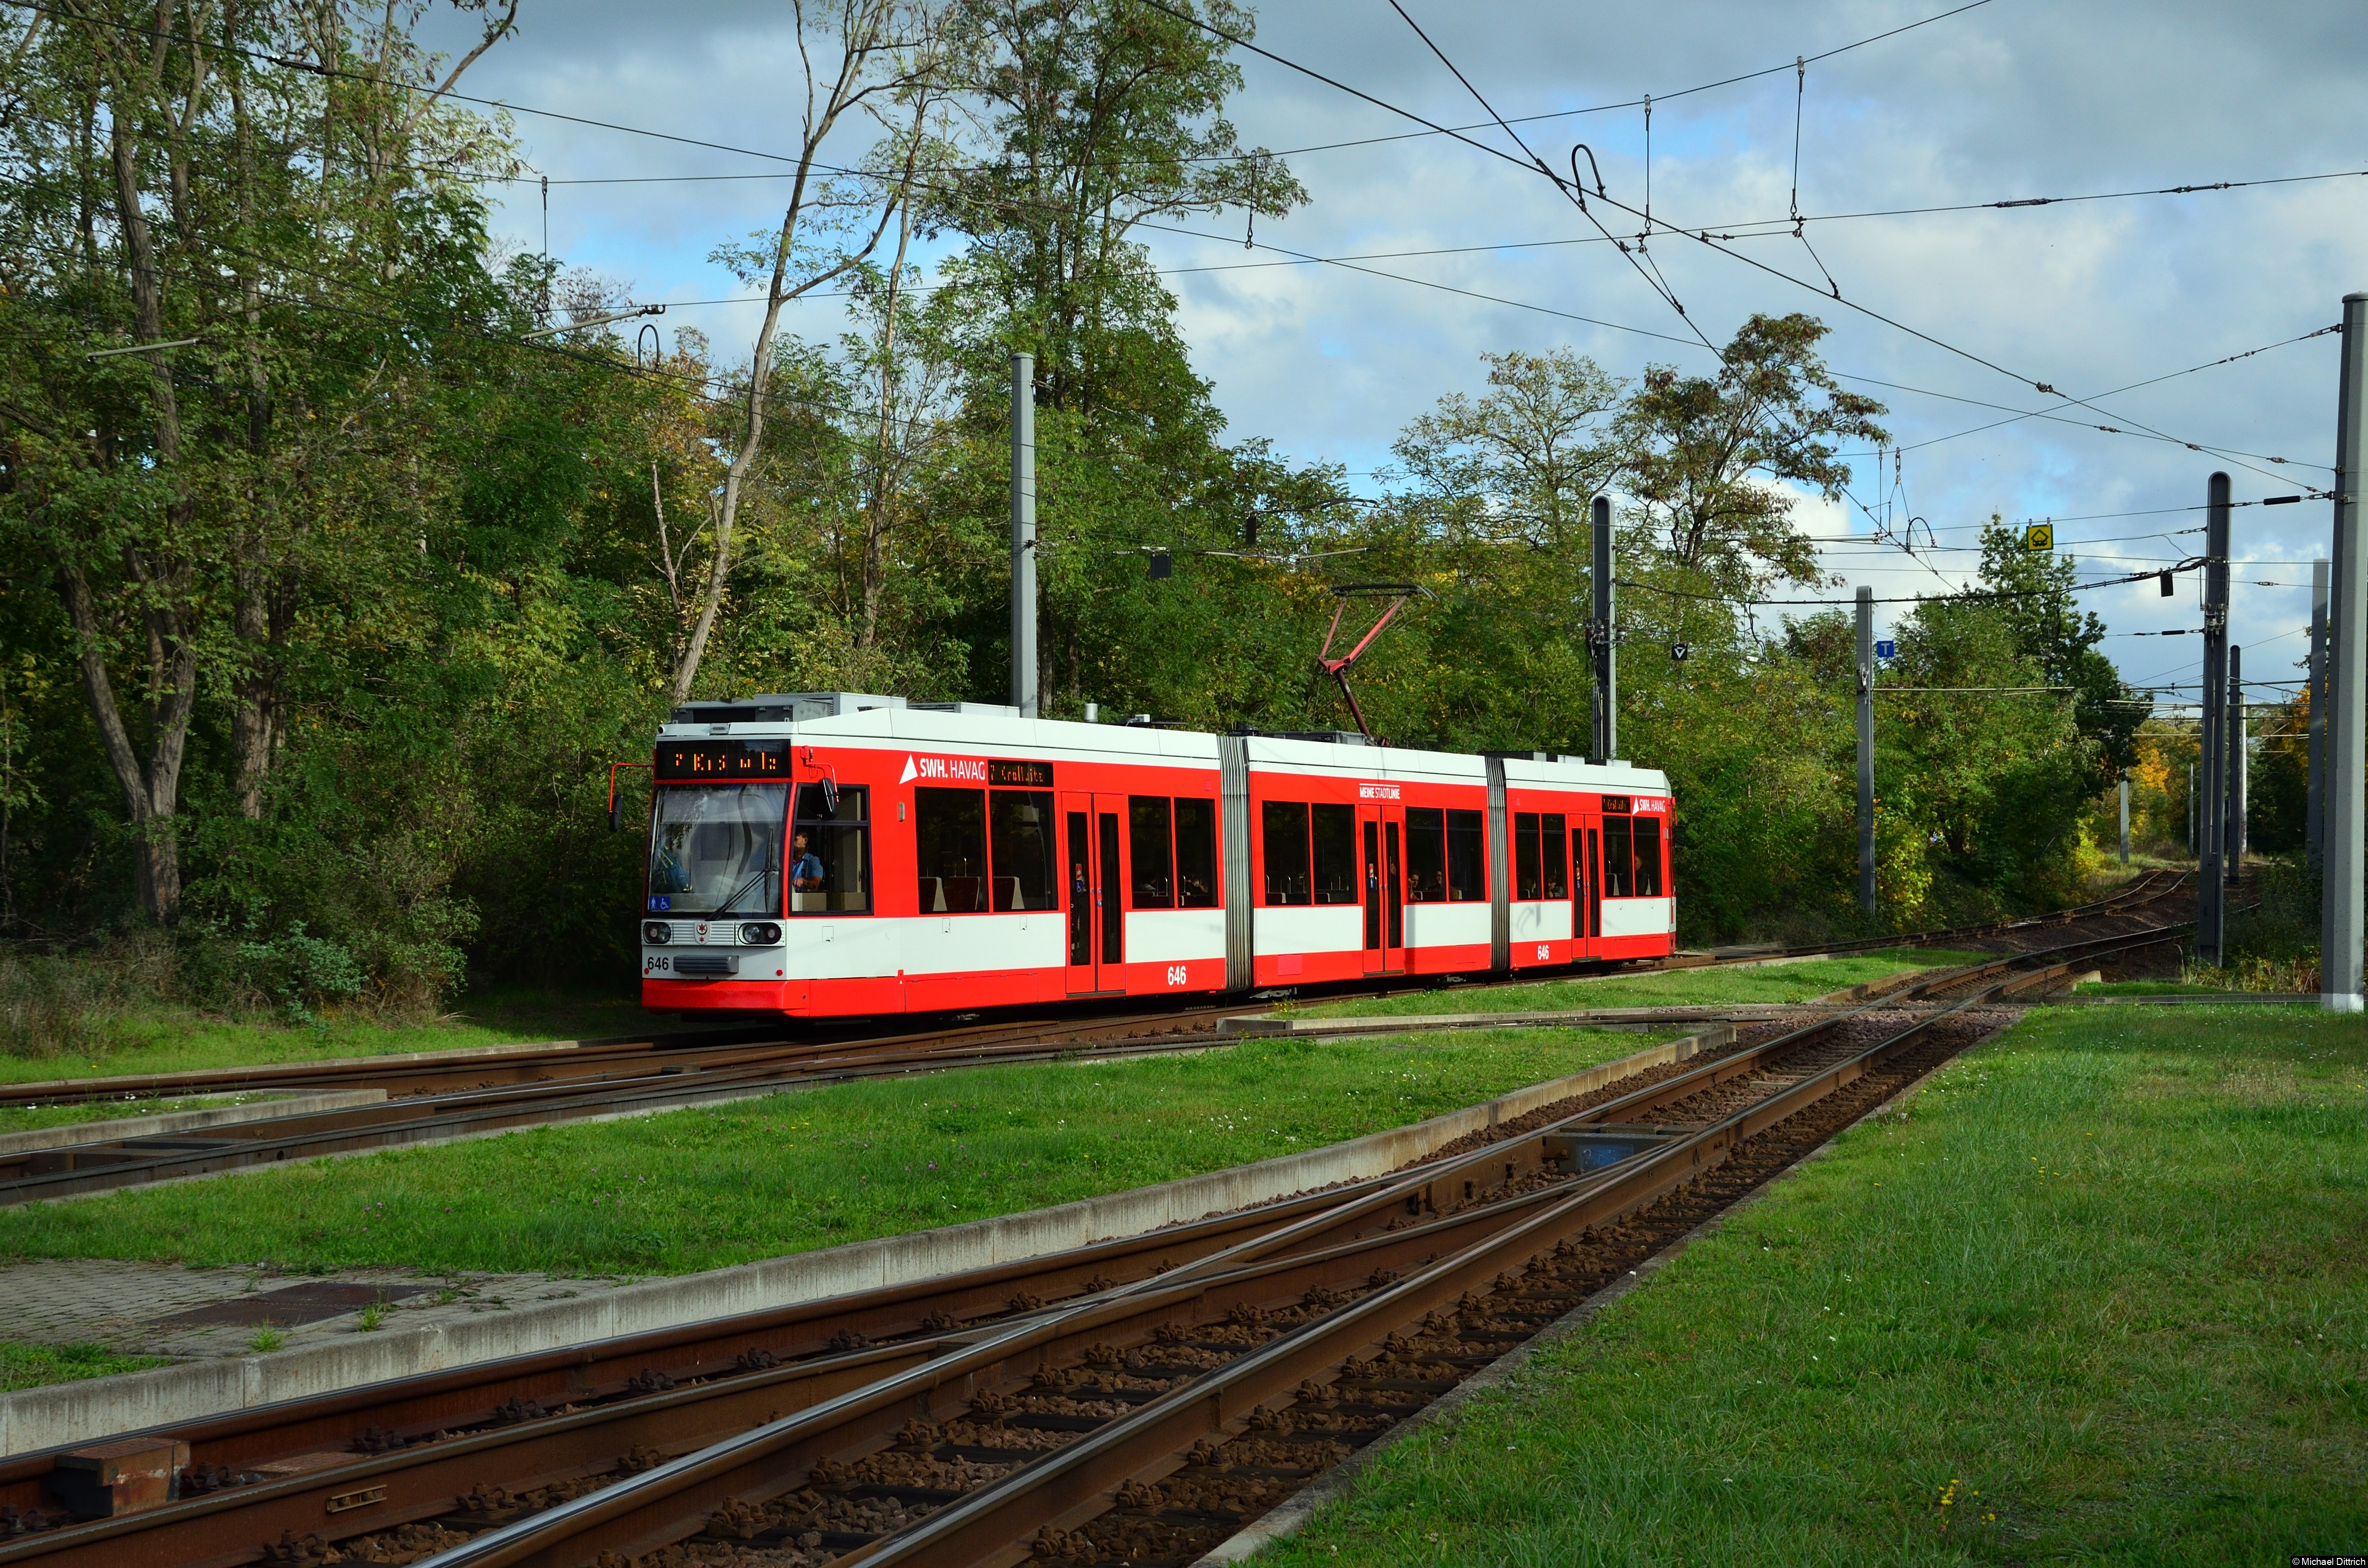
{"x": 759, "y": 933}
{"x": 657, "y": 933}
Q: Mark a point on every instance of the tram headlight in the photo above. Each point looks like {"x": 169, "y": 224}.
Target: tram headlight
{"x": 657, "y": 933}
{"x": 759, "y": 933}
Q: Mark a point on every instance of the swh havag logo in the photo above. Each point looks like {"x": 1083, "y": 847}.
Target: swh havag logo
{"x": 966, "y": 769}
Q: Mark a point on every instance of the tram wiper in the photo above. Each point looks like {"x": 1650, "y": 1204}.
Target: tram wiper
{"x": 767, "y": 869}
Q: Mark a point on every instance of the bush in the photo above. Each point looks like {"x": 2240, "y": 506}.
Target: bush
{"x": 301, "y": 972}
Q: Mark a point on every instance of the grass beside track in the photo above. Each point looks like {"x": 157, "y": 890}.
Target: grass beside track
{"x": 2151, "y": 988}
{"x": 179, "y": 1039}
{"x": 1796, "y": 981}
{"x": 702, "y": 1188}
{"x": 2096, "y": 1296}
{"x": 24, "y": 1366}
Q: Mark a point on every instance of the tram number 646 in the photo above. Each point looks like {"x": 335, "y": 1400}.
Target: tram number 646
{"x": 1176, "y": 974}
{"x": 1543, "y": 951}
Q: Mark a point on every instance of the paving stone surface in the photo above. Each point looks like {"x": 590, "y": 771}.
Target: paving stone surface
{"x": 133, "y": 1306}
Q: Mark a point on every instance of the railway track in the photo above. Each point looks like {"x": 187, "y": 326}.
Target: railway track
{"x": 1132, "y": 1402}
{"x": 602, "y": 1059}
{"x": 2139, "y": 892}
{"x": 477, "y": 1096}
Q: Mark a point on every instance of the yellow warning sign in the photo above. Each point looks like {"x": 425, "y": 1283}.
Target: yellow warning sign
{"x": 2038, "y": 536}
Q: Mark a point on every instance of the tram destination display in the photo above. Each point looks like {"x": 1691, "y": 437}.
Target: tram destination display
{"x": 683, "y": 761}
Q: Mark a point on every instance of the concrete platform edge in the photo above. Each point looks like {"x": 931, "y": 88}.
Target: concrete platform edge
{"x": 259, "y": 1110}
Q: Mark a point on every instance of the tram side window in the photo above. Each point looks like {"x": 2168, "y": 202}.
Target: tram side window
{"x": 1467, "y": 859}
{"x": 1425, "y": 855}
{"x": 1150, "y": 842}
{"x": 1196, "y": 853}
{"x": 1648, "y": 856}
{"x": 1336, "y": 855}
{"x": 1283, "y": 832}
{"x": 830, "y": 861}
{"x": 1617, "y": 881}
{"x": 1556, "y": 858}
{"x": 1529, "y": 877}
{"x": 950, "y": 849}
{"x": 1026, "y": 877}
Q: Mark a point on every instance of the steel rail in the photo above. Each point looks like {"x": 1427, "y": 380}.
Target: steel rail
{"x": 2135, "y": 894}
{"x": 431, "y": 1071}
{"x": 1320, "y": 1218}
{"x": 634, "y": 1056}
{"x": 653, "y": 1083}
{"x": 419, "y": 1483}
{"x": 991, "y": 1524}
{"x": 458, "y": 1400}
{"x": 472, "y": 1395}
{"x": 464, "y": 1113}
{"x": 516, "y": 1377}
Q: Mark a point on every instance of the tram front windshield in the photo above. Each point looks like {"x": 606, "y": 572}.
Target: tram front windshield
{"x": 716, "y": 849}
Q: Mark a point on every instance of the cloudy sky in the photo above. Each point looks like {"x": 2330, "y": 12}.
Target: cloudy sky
{"x": 2007, "y": 100}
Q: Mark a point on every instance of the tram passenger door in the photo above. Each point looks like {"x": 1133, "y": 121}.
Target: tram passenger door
{"x": 1090, "y": 865}
{"x": 1586, "y": 884}
{"x": 1380, "y": 835}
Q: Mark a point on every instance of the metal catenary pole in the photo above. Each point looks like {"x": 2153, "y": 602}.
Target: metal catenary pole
{"x": 1605, "y": 640}
{"x": 2210, "y": 894}
{"x": 1866, "y": 750}
{"x": 2339, "y": 915}
{"x": 2125, "y": 819}
{"x": 1023, "y": 534}
{"x": 2192, "y": 848}
{"x": 2314, "y": 797}
{"x": 2232, "y": 832}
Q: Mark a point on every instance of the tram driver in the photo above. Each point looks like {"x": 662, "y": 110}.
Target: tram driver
{"x": 807, "y": 873}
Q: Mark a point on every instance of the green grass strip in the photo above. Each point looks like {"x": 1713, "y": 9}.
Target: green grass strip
{"x": 1707, "y": 987}
{"x": 2097, "y": 1298}
{"x": 25, "y": 1365}
{"x": 701, "y": 1189}
{"x": 2149, "y": 988}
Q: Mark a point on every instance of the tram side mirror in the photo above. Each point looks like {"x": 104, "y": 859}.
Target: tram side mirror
{"x": 616, "y": 820}
{"x": 830, "y": 796}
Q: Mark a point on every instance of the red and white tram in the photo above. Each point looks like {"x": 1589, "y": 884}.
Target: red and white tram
{"x": 823, "y": 853}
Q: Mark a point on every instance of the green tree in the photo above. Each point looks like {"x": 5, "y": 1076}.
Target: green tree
{"x": 1982, "y": 787}
{"x": 2278, "y": 792}
{"x": 1099, "y": 115}
{"x": 1711, "y": 455}
{"x": 2034, "y": 591}
{"x": 243, "y": 230}
{"x": 1096, "y": 115}
{"x": 1531, "y": 453}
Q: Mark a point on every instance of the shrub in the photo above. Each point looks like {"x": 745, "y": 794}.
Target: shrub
{"x": 301, "y": 972}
